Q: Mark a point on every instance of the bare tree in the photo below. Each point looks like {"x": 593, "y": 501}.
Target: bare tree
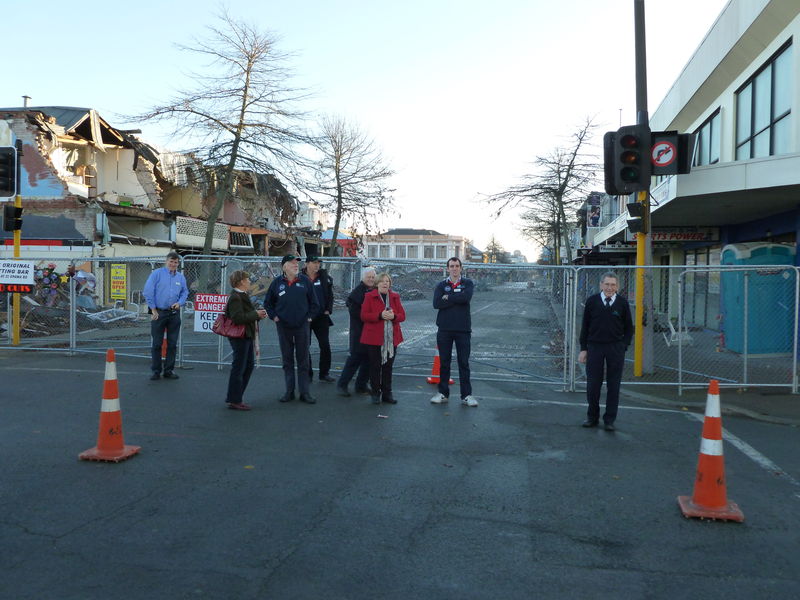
{"x": 240, "y": 114}
{"x": 495, "y": 252}
{"x": 352, "y": 178}
{"x": 551, "y": 195}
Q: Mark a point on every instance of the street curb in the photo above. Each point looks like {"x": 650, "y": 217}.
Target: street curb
{"x": 700, "y": 407}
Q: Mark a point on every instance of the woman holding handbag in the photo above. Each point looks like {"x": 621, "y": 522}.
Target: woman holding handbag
{"x": 382, "y": 314}
{"x": 241, "y": 311}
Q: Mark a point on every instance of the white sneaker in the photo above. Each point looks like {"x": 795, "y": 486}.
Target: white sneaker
{"x": 469, "y": 401}
{"x": 439, "y": 399}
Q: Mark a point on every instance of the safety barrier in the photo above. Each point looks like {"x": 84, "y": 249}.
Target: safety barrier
{"x": 526, "y": 318}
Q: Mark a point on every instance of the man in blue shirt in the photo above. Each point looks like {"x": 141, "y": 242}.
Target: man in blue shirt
{"x": 452, "y": 299}
{"x": 165, "y": 292}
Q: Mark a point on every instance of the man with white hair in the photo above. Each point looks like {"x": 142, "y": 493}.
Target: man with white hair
{"x": 606, "y": 333}
{"x": 357, "y": 360}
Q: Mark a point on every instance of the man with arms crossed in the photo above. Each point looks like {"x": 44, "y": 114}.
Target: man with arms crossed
{"x": 452, "y": 299}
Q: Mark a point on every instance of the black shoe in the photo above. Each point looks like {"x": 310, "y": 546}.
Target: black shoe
{"x": 376, "y": 398}
{"x": 287, "y": 397}
{"x": 387, "y": 398}
{"x": 155, "y": 376}
{"x": 589, "y": 423}
{"x": 363, "y": 391}
{"x": 170, "y": 375}
{"x": 326, "y": 378}
{"x": 609, "y": 427}
{"x": 342, "y": 391}
{"x": 307, "y": 398}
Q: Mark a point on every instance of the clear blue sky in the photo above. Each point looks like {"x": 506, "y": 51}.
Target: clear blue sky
{"x": 460, "y": 95}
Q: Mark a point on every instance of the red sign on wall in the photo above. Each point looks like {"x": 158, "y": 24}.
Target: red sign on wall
{"x": 16, "y": 288}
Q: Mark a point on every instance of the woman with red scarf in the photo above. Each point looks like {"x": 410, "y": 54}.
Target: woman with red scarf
{"x": 382, "y": 314}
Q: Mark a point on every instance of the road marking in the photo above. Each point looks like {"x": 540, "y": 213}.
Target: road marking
{"x": 753, "y": 454}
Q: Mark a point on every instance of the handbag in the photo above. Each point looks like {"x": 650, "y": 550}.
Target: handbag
{"x": 226, "y": 327}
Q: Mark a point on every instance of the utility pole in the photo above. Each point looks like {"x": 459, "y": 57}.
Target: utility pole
{"x": 644, "y": 255}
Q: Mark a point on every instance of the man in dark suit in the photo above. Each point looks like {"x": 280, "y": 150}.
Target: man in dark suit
{"x": 605, "y": 336}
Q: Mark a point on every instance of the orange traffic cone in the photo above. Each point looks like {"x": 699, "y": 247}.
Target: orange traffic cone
{"x": 110, "y": 445}
{"x": 434, "y": 378}
{"x": 710, "y": 499}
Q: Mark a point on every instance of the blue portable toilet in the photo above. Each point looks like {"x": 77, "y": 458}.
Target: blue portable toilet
{"x": 770, "y": 298}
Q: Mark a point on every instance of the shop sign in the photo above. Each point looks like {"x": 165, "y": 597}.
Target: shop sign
{"x": 14, "y": 271}
{"x": 685, "y": 234}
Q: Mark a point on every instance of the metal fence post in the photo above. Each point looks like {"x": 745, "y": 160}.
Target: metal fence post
{"x": 73, "y": 317}
{"x": 223, "y": 272}
{"x": 796, "y": 327}
{"x": 566, "y": 283}
{"x": 745, "y": 349}
{"x": 681, "y": 325}
{"x": 571, "y": 323}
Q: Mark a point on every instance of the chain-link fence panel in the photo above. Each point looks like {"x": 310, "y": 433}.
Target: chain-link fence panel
{"x": 518, "y": 320}
{"x": 210, "y": 275}
{"x": 82, "y": 304}
{"x": 696, "y": 326}
{"x": 113, "y": 314}
{"x": 751, "y": 337}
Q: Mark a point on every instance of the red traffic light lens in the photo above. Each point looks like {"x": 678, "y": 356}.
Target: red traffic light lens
{"x": 629, "y": 141}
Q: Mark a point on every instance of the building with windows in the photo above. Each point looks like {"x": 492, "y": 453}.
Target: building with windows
{"x": 740, "y": 94}
{"x": 415, "y": 244}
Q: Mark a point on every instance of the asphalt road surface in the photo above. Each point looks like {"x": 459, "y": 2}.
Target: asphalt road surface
{"x": 345, "y": 500}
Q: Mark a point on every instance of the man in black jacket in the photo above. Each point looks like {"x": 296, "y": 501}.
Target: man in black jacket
{"x": 451, "y": 299}
{"x": 322, "y": 285}
{"x": 291, "y": 303}
{"x": 605, "y": 336}
{"x": 357, "y": 360}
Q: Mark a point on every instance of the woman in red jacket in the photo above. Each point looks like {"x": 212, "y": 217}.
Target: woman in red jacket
{"x": 382, "y": 314}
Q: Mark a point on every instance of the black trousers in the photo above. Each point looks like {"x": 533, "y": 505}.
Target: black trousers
{"x": 294, "y": 344}
{"x": 462, "y": 341}
{"x": 169, "y": 321}
{"x": 241, "y": 368}
{"x": 612, "y": 357}
{"x": 321, "y": 327}
{"x": 380, "y": 375}
{"x": 357, "y": 364}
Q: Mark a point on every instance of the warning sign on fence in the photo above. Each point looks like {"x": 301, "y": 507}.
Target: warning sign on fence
{"x": 119, "y": 282}
{"x": 206, "y": 309}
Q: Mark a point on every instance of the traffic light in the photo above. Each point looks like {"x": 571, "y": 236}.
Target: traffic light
{"x": 8, "y": 172}
{"x": 640, "y": 220}
{"x": 12, "y": 217}
{"x": 626, "y": 163}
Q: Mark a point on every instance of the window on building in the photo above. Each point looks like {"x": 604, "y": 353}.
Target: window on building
{"x": 441, "y": 251}
{"x": 399, "y": 251}
{"x": 372, "y": 251}
{"x": 385, "y": 251}
{"x": 707, "y": 148}
{"x": 763, "y": 109}
{"x": 427, "y": 252}
{"x": 413, "y": 252}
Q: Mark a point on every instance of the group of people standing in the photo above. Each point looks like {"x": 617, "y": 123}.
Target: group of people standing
{"x": 302, "y": 302}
